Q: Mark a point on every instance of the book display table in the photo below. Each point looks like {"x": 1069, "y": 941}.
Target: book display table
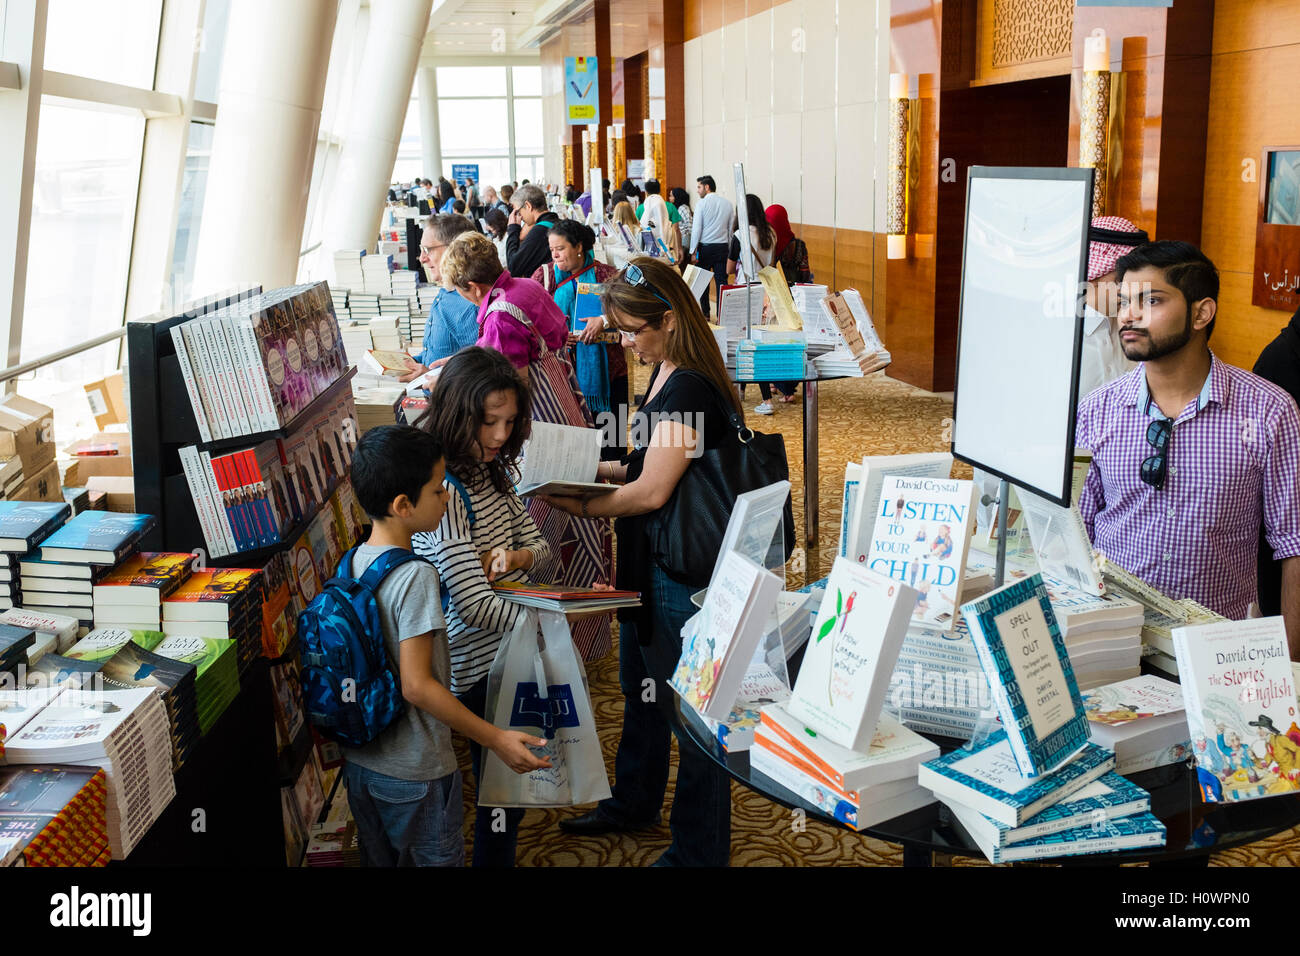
{"x": 929, "y": 835}
{"x": 811, "y": 474}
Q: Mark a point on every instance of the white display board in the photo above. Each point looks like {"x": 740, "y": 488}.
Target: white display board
{"x": 1024, "y": 260}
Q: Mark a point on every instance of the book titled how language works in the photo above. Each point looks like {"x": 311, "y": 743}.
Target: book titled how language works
{"x": 1023, "y": 654}
{"x": 1240, "y": 694}
{"x": 851, "y": 654}
{"x": 920, "y": 535}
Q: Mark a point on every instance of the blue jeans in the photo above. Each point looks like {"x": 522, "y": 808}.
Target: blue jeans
{"x": 492, "y": 848}
{"x": 406, "y": 822}
{"x": 701, "y": 815}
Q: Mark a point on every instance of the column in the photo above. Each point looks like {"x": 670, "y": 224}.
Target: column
{"x": 272, "y": 84}
{"x": 22, "y": 42}
{"x": 377, "y": 112}
{"x": 430, "y": 142}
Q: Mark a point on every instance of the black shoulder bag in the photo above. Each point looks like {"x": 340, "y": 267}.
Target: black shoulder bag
{"x": 686, "y": 533}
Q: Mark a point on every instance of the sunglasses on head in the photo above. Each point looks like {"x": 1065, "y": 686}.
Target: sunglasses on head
{"x": 636, "y": 277}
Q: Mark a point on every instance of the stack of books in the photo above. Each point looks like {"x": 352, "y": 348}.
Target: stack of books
{"x": 23, "y": 526}
{"x": 333, "y": 844}
{"x": 1042, "y": 754}
{"x": 406, "y": 284}
{"x": 223, "y": 603}
{"x": 770, "y": 361}
{"x": 829, "y": 743}
{"x": 255, "y": 365}
{"x": 64, "y": 629}
{"x": 11, "y": 476}
{"x": 126, "y": 733}
{"x": 1102, "y": 633}
{"x": 347, "y": 269}
{"x": 216, "y": 680}
{"x": 938, "y": 686}
{"x": 134, "y": 665}
{"x": 53, "y": 816}
{"x": 363, "y": 306}
{"x": 82, "y": 552}
{"x": 377, "y": 405}
{"x": 376, "y": 274}
{"x": 1158, "y": 632}
{"x": 848, "y": 313}
{"x": 1142, "y": 720}
{"x": 14, "y": 645}
{"x": 385, "y": 334}
{"x": 339, "y": 299}
{"x": 398, "y": 308}
{"x": 131, "y": 595}
{"x": 356, "y": 341}
{"x": 859, "y": 788}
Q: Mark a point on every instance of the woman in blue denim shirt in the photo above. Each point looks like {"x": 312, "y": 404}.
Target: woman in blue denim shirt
{"x": 686, "y": 411}
{"x": 453, "y": 319}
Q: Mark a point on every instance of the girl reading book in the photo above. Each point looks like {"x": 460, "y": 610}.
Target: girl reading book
{"x": 479, "y": 411}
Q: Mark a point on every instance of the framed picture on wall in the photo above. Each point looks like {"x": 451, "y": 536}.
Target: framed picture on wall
{"x": 1276, "y": 282}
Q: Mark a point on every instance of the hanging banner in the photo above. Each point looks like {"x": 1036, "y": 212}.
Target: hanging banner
{"x": 581, "y": 90}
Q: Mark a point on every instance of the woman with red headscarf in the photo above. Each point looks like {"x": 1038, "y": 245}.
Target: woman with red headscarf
{"x": 791, "y": 254}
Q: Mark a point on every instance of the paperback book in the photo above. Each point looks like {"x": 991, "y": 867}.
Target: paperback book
{"x": 920, "y": 536}
{"x": 97, "y": 537}
{"x": 851, "y": 655}
{"x": 1023, "y": 654}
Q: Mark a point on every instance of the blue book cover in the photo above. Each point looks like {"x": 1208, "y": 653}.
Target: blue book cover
{"x": 1023, "y": 654}
{"x": 106, "y": 531}
{"x": 31, "y": 521}
{"x": 1107, "y": 798}
{"x": 1103, "y": 836}
{"x": 986, "y": 778}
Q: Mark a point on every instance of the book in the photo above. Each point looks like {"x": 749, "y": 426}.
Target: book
{"x": 718, "y": 642}
{"x": 1240, "y": 694}
{"x": 212, "y": 594}
{"x": 761, "y": 685}
{"x": 102, "y": 643}
{"x": 848, "y": 508}
{"x": 1109, "y": 797}
{"x": 20, "y": 705}
{"x": 1060, "y": 541}
{"x": 851, "y": 654}
{"x": 1135, "y": 718}
{"x": 858, "y": 810}
{"x": 920, "y": 538}
{"x": 144, "y": 578}
{"x": 986, "y": 778}
{"x": 871, "y": 475}
{"x": 755, "y": 529}
{"x": 53, "y": 816}
{"x": 97, "y": 537}
{"x": 25, "y": 524}
{"x": 134, "y": 666}
{"x": 562, "y": 460}
{"x": 1023, "y": 654}
{"x": 566, "y": 600}
{"x": 1103, "y": 834}
{"x": 391, "y": 364}
{"x": 894, "y": 752}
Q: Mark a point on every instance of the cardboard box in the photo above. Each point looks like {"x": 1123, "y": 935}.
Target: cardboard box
{"x": 42, "y": 486}
{"x": 26, "y": 430}
{"x": 120, "y": 491}
{"x": 108, "y": 400}
{"x": 82, "y": 470}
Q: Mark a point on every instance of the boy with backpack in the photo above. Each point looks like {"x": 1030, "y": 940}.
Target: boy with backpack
{"x": 404, "y": 787}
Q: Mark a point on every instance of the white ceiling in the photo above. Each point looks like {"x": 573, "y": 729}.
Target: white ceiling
{"x": 500, "y": 27}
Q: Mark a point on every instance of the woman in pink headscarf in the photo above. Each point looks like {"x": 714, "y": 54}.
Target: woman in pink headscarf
{"x": 791, "y": 255}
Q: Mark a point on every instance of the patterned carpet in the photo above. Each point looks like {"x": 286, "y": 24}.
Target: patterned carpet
{"x": 858, "y": 417}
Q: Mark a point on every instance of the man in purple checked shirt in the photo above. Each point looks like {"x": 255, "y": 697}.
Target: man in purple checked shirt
{"x": 1190, "y": 456}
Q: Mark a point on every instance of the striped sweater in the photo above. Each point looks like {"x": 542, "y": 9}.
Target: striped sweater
{"x": 477, "y": 619}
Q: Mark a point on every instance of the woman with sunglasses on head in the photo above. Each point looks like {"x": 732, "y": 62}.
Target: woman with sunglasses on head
{"x": 517, "y": 318}
{"x": 601, "y": 366}
{"x": 687, "y": 409}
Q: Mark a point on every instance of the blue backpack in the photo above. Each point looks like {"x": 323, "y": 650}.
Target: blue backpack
{"x": 349, "y": 690}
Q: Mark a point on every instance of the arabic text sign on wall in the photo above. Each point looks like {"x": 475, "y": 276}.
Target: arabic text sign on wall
{"x": 581, "y": 90}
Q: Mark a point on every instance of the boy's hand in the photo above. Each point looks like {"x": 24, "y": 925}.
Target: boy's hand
{"x": 512, "y": 747}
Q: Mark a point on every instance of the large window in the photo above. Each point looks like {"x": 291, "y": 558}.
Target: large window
{"x": 113, "y": 41}
{"x": 197, "y": 157}
{"x": 487, "y": 115}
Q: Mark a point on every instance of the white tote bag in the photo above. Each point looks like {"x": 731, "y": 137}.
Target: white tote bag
{"x": 538, "y": 685}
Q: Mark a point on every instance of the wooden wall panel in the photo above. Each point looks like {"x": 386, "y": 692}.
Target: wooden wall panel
{"x": 1022, "y": 39}
{"x": 693, "y": 17}
{"x": 1248, "y": 109}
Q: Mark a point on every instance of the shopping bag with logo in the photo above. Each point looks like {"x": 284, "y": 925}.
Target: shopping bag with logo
{"x": 537, "y": 685}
